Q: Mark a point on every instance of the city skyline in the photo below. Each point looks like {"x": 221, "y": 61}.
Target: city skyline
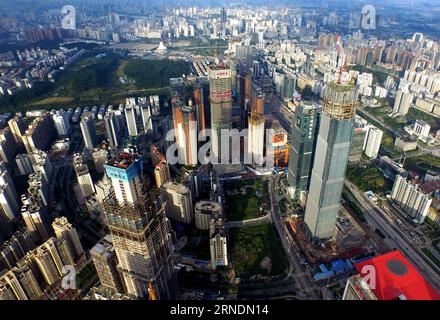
{"x": 238, "y": 151}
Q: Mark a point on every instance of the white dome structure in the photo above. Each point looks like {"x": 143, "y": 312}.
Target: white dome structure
{"x": 161, "y": 48}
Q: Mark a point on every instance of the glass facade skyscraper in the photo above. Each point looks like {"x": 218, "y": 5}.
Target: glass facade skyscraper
{"x": 302, "y": 148}
{"x": 332, "y": 149}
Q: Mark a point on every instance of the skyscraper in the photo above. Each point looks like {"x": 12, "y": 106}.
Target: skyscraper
{"x": 256, "y": 138}
{"x": 244, "y": 88}
{"x": 18, "y": 127}
{"x": 332, "y": 148}
{"x": 302, "y": 150}
{"x": 41, "y": 163}
{"x": 289, "y": 86}
{"x": 257, "y": 100}
{"x": 162, "y": 173}
{"x": 161, "y": 167}
{"x": 8, "y": 201}
{"x": 105, "y": 260}
{"x": 88, "y": 130}
{"x": 12, "y": 250}
{"x": 199, "y": 104}
{"x": 83, "y": 176}
{"x": 185, "y": 126}
{"x": 130, "y": 117}
{"x": 223, "y": 19}
{"x": 34, "y": 217}
{"x": 38, "y": 188}
{"x": 40, "y": 134}
{"x": 178, "y": 201}
{"x": 61, "y": 122}
{"x": 218, "y": 243}
{"x": 411, "y": 199}
{"x": 357, "y": 145}
{"x": 177, "y": 88}
{"x": 8, "y": 145}
{"x": 111, "y": 129}
{"x": 140, "y": 231}
{"x": 372, "y": 142}
{"x": 147, "y": 123}
{"x": 19, "y": 284}
{"x": 8, "y": 193}
{"x": 204, "y": 211}
{"x": 402, "y": 103}
{"x": 256, "y": 69}
{"x": 63, "y": 229}
{"x": 46, "y": 264}
{"x": 24, "y": 163}
{"x": 221, "y": 105}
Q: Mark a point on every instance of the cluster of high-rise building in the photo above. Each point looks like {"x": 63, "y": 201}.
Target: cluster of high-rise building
{"x": 41, "y": 65}
{"x": 411, "y": 199}
{"x": 40, "y": 134}
{"x": 28, "y": 268}
{"x": 140, "y": 230}
{"x": 277, "y": 74}
{"x": 106, "y": 263}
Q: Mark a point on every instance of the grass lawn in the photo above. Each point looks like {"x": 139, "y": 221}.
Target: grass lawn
{"x": 387, "y": 140}
{"x": 421, "y": 163}
{"x": 93, "y": 80}
{"x": 120, "y": 70}
{"x": 369, "y": 178}
{"x": 53, "y": 100}
{"x": 251, "y": 245}
{"x": 131, "y": 92}
{"x": 383, "y": 112}
{"x": 380, "y": 112}
{"x": 246, "y": 206}
{"x": 395, "y": 123}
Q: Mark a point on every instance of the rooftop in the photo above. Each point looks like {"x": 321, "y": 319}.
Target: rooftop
{"x": 123, "y": 160}
{"x": 396, "y": 277}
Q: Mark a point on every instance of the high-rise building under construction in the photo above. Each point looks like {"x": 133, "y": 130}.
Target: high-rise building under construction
{"x": 140, "y": 231}
{"x": 199, "y": 104}
{"x": 221, "y": 105}
{"x": 244, "y": 87}
{"x": 256, "y": 139}
{"x": 332, "y": 148}
{"x": 185, "y": 125}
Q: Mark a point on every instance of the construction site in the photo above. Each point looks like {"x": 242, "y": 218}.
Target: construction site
{"x": 351, "y": 239}
{"x": 142, "y": 239}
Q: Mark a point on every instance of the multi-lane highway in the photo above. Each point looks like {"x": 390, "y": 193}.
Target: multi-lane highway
{"x": 377, "y": 218}
{"x": 296, "y": 270}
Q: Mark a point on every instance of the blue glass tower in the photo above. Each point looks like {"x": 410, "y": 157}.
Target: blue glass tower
{"x": 332, "y": 148}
